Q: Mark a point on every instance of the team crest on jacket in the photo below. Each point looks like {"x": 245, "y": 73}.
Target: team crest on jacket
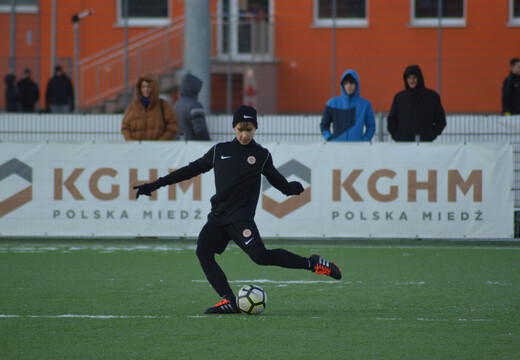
{"x": 246, "y": 233}
{"x": 251, "y": 160}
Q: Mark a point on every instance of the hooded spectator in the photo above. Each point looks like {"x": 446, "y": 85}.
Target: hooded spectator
{"x": 29, "y": 92}
{"x": 351, "y": 116}
{"x": 416, "y": 112}
{"x": 192, "y": 119}
{"x": 12, "y": 98}
{"x": 59, "y": 97}
{"x": 149, "y": 117}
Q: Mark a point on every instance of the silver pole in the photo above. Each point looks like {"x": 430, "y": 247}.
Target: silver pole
{"x": 197, "y": 46}
{"x": 439, "y": 45}
{"x": 75, "y": 20}
{"x": 229, "y": 74}
{"x": 12, "y": 47}
{"x": 125, "y": 63}
{"x": 38, "y": 46}
{"x": 76, "y": 65}
{"x": 333, "y": 60}
{"x": 53, "y": 36}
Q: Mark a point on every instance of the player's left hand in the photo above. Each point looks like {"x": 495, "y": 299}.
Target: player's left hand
{"x": 295, "y": 188}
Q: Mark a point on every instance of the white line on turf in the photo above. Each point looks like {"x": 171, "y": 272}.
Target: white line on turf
{"x": 306, "y": 282}
{"x": 267, "y": 281}
{"x": 82, "y": 316}
{"x": 112, "y": 317}
{"x": 436, "y": 320}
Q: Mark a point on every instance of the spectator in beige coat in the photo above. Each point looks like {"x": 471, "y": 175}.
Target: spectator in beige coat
{"x": 149, "y": 117}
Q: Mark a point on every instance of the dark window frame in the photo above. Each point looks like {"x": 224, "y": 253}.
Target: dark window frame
{"x": 453, "y": 15}
{"x": 323, "y": 14}
{"x": 146, "y": 21}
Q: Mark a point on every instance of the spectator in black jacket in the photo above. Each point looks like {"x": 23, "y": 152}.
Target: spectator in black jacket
{"x": 416, "y": 112}
{"x": 190, "y": 113}
{"x": 511, "y": 90}
{"x": 12, "y": 98}
{"x": 29, "y": 92}
{"x": 60, "y": 93}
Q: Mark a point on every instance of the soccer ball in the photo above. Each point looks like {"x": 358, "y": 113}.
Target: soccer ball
{"x": 251, "y": 299}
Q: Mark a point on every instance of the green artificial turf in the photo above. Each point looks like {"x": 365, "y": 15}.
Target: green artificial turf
{"x": 114, "y": 299}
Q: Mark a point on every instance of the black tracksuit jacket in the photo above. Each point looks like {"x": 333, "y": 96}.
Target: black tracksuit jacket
{"x": 238, "y": 171}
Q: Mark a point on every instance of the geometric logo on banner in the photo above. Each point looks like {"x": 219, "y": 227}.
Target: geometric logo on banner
{"x": 281, "y": 209}
{"x": 16, "y": 167}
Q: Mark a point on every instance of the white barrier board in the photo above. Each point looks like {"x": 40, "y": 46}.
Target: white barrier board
{"x": 379, "y": 190}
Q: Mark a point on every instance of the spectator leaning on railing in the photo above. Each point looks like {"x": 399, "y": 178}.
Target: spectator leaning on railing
{"x": 29, "y": 92}
{"x": 190, "y": 113}
{"x": 149, "y": 117}
{"x": 59, "y": 97}
{"x": 351, "y": 116}
{"x": 417, "y": 112}
{"x": 511, "y": 90}
{"x": 12, "y": 98}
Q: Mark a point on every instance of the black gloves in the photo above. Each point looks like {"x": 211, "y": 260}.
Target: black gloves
{"x": 294, "y": 188}
{"x": 146, "y": 189}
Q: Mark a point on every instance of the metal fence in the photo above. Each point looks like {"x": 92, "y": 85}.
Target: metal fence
{"x": 272, "y": 128}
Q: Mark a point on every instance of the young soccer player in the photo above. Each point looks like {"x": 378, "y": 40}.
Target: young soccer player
{"x": 238, "y": 166}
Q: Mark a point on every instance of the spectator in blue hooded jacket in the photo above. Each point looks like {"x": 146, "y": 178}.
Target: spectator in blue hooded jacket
{"x": 351, "y": 116}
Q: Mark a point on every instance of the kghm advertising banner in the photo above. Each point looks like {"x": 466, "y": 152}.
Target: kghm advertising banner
{"x": 352, "y": 190}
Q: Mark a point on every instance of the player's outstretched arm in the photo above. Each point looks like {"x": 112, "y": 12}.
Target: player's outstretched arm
{"x": 193, "y": 169}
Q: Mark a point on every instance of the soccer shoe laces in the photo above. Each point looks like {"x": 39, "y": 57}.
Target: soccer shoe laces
{"x": 223, "y": 307}
{"x": 321, "y": 269}
{"x": 322, "y": 266}
{"x": 222, "y": 302}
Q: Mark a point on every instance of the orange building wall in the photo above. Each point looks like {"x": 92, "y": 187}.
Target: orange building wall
{"x": 97, "y": 32}
{"x": 475, "y": 59}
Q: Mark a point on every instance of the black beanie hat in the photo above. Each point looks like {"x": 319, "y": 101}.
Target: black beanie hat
{"x": 245, "y": 113}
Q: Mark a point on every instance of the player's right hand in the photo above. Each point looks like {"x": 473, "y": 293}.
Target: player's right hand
{"x": 295, "y": 188}
{"x": 144, "y": 189}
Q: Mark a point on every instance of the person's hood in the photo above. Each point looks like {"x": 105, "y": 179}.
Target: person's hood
{"x": 190, "y": 85}
{"x": 416, "y": 70}
{"x": 356, "y": 78}
{"x": 154, "y": 96}
{"x": 9, "y": 79}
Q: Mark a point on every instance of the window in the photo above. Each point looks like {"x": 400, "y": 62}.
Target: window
{"x": 349, "y": 13}
{"x": 144, "y": 13}
{"x": 426, "y": 12}
{"x": 22, "y": 6}
{"x": 514, "y": 12}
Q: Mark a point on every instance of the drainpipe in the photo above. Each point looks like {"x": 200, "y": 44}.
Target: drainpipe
{"x": 197, "y": 46}
{"x": 12, "y": 48}
{"x": 75, "y": 21}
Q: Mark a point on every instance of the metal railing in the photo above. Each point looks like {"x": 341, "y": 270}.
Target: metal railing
{"x": 161, "y": 50}
{"x": 273, "y": 128}
{"x": 155, "y": 52}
